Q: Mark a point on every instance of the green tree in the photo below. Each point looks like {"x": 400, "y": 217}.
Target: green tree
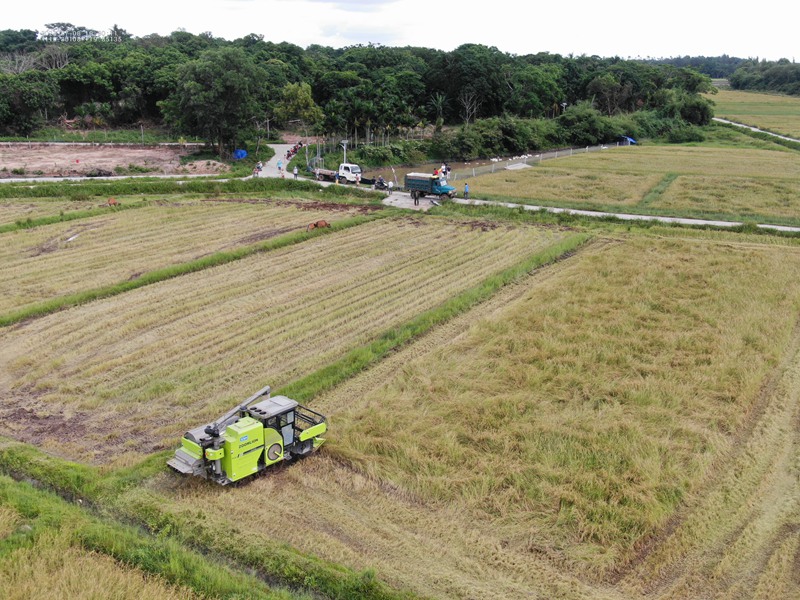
{"x": 216, "y": 97}
{"x": 25, "y": 101}
{"x": 296, "y": 103}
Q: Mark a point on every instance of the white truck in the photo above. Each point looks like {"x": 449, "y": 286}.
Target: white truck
{"x": 347, "y": 173}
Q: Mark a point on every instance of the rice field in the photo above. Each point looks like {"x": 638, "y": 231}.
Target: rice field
{"x": 701, "y": 182}
{"x": 194, "y": 346}
{"x": 735, "y": 196}
{"x": 64, "y": 258}
{"x": 586, "y": 411}
{"x": 543, "y": 441}
{"x": 617, "y": 424}
{"x": 771, "y": 112}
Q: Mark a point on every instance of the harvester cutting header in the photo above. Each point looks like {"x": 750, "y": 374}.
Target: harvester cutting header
{"x": 248, "y": 439}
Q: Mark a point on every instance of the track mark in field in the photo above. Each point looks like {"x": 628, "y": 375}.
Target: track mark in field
{"x": 741, "y": 529}
{"x": 63, "y": 240}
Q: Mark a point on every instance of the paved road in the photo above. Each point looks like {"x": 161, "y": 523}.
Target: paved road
{"x": 756, "y": 129}
{"x": 624, "y": 216}
{"x": 403, "y": 199}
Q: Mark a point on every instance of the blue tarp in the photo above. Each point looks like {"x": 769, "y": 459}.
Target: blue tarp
{"x": 630, "y": 139}
{"x": 239, "y": 154}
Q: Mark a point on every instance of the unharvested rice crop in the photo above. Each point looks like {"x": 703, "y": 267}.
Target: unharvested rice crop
{"x": 580, "y": 417}
{"x": 772, "y": 112}
{"x": 696, "y": 160}
{"x": 52, "y": 568}
{"x": 735, "y": 196}
{"x": 131, "y": 373}
{"x": 63, "y": 258}
{"x": 547, "y": 184}
{"x": 710, "y": 181}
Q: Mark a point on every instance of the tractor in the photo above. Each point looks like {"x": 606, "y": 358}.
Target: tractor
{"x": 260, "y": 432}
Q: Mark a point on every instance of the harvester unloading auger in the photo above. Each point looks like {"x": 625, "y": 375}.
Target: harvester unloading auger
{"x": 248, "y": 439}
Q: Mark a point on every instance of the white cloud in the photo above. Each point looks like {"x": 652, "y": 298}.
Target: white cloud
{"x": 624, "y": 28}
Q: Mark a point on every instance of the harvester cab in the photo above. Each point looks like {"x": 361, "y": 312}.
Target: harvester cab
{"x": 258, "y": 433}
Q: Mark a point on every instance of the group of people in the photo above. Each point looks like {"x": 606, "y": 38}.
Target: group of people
{"x": 443, "y": 170}
{"x": 293, "y": 150}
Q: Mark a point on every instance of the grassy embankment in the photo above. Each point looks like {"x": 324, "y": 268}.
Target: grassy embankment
{"x": 51, "y": 549}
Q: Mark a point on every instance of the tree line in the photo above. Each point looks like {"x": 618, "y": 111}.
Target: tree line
{"x": 471, "y": 99}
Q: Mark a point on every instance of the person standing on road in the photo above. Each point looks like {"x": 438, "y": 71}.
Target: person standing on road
{"x": 280, "y": 165}
{"x": 294, "y": 172}
{"x": 466, "y": 191}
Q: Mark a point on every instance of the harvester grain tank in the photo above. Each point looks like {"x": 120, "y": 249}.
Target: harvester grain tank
{"x": 260, "y": 432}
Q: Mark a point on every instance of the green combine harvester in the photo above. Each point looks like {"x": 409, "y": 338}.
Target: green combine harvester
{"x": 248, "y": 439}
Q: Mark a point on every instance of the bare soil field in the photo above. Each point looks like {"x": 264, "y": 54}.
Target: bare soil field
{"x": 74, "y": 160}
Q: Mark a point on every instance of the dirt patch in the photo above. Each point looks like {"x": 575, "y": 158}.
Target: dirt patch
{"x": 73, "y": 160}
{"x": 260, "y": 236}
{"x": 34, "y": 423}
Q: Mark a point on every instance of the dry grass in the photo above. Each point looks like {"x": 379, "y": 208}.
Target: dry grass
{"x": 772, "y": 112}
{"x": 54, "y": 569}
{"x": 130, "y": 374}
{"x": 63, "y": 258}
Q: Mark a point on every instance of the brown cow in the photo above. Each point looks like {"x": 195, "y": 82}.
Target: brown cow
{"x": 317, "y": 225}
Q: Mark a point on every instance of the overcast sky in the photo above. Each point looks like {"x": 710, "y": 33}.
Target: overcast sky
{"x": 767, "y": 29}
